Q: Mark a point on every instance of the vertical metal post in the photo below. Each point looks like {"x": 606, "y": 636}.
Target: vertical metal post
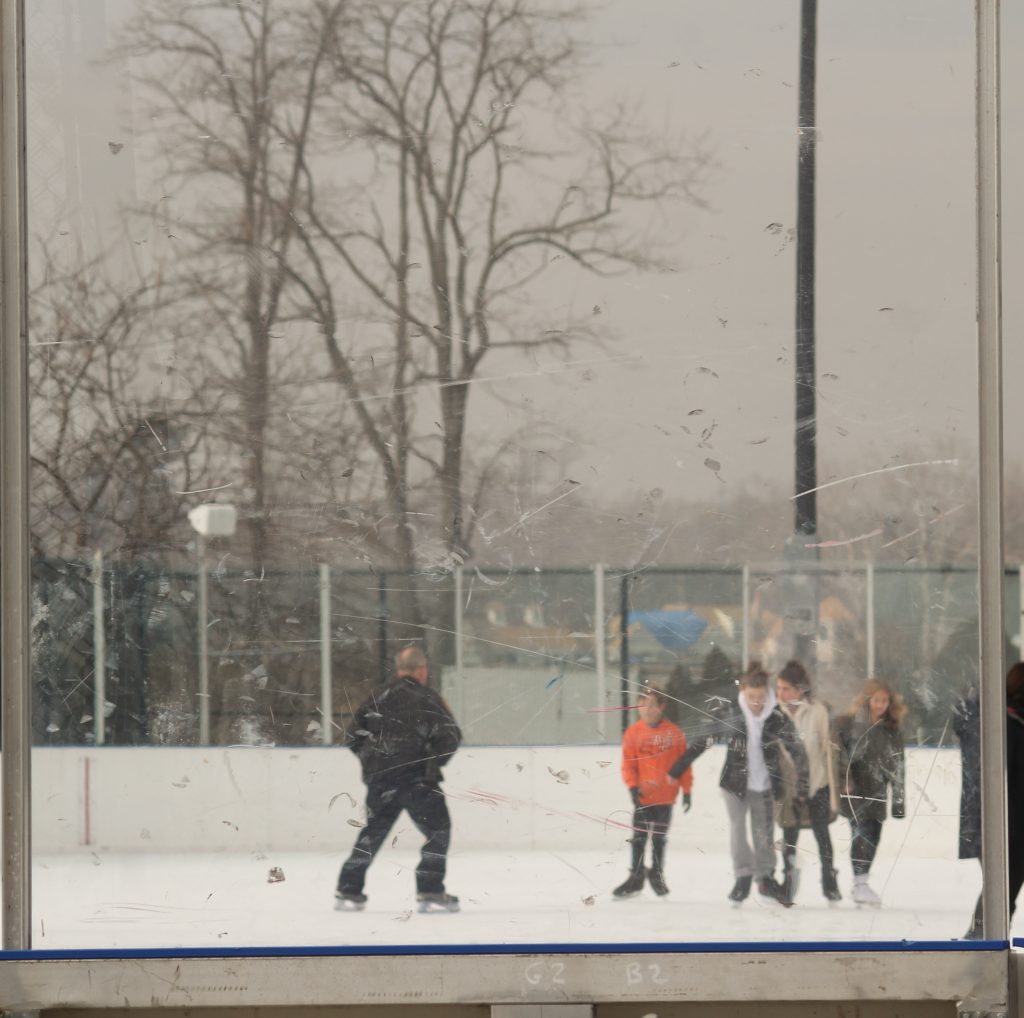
{"x": 203, "y": 612}
{"x": 600, "y": 662}
{"x": 382, "y": 629}
{"x": 746, "y": 617}
{"x": 99, "y": 651}
{"x": 624, "y": 649}
{"x": 326, "y": 702}
{"x": 15, "y": 565}
{"x": 869, "y": 613}
{"x": 990, "y": 478}
{"x": 458, "y": 624}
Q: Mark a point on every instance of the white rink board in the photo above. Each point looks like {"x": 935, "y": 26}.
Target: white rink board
{"x": 505, "y": 798}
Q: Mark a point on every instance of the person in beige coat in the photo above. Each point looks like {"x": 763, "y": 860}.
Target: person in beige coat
{"x": 820, "y": 808}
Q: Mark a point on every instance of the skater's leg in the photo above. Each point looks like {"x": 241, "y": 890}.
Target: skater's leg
{"x": 762, "y": 825}
{"x": 742, "y": 855}
{"x": 382, "y": 808}
{"x": 820, "y": 809}
{"x": 789, "y": 839}
{"x": 429, "y": 812}
{"x": 866, "y": 835}
{"x": 660, "y": 818}
{"x": 638, "y": 841}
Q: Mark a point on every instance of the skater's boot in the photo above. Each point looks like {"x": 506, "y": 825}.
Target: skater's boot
{"x": 437, "y": 901}
{"x": 769, "y": 887}
{"x": 634, "y": 884}
{"x": 863, "y": 893}
{"x": 657, "y": 881}
{"x": 741, "y": 889}
{"x": 349, "y": 901}
{"x": 829, "y": 885}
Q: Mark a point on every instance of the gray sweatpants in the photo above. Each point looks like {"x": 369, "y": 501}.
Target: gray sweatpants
{"x": 759, "y": 862}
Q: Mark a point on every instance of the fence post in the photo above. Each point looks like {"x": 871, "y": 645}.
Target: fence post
{"x": 599, "y": 648}
{"x": 326, "y": 704}
{"x": 624, "y": 648}
{"x": 203, "y": 611}
{"x": 746, "y": 617}
{"x": 99, "y": 652}
{"x": 382, "y": 629}
{"x": 457, "y": 625}
{"x": 869, "y": 609}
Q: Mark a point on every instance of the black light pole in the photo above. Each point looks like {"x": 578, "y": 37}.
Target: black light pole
{"x": 806, "y": 422}
{"x": 803, "y": 597}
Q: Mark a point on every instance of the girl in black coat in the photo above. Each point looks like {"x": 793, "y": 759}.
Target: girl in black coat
{"x": 872, "y": 762}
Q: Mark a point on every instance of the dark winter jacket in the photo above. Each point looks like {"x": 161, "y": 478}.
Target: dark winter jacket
{"x": 871, "y": 761}
{"x": 967, "y": 725}
{"x": 1015, "y": 774}
{"x": 778, "y": 735}
{"x": 403, "y": 734}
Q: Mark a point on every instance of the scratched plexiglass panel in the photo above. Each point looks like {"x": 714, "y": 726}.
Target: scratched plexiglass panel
{"x": 414, "y": 440}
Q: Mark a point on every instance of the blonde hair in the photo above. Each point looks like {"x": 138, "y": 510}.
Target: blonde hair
{"x": 895, "y": 712}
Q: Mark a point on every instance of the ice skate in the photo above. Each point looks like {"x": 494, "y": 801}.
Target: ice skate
{"x": 349, "y": 901}
{"x": 829, "y": 886}
{"x": 863, "y": 893}
{"x": 657, "y": 881}
{"x": 631, "y": 887}
{"x": 769, "y": 887}
{"x": 437, "y": 901}
{"x": 740, "y": 890}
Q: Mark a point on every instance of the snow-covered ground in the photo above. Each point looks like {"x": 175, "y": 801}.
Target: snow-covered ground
{"x": 540, "y": 839}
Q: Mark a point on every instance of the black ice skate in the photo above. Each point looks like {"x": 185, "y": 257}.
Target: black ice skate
{"x": 633, "y": 886}
{"x": 741, "y": 889}
{"x": 657, "y": 881}
{"x": 437, "y": 901}
{"x": 349, "y": 901}
{"x": 769, "y": 887}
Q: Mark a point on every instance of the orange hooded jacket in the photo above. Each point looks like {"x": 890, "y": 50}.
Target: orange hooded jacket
{"x": 647, "y": 754}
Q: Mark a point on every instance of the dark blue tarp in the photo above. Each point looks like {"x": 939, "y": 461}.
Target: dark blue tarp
{"x": 674, "y": 630}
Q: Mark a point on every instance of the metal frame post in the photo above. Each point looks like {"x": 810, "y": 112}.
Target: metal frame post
{"x": 99, "y": 652}
{"x": 203, "y": 613}
{"x": 991, "y": 665}
{"x": 326, "y": 702}
{"x": 16, "y": 568}
{"x": 624, "y": 586}
{"x": 600, "y": 661}
{"x": 382, "y": 629}
{"x": 745, "y": 652}
{"x": 869, "y": 611}
{"x": 458, "y": 624}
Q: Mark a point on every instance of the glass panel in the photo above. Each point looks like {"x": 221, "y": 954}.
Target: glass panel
{"x": 466, "y": 328}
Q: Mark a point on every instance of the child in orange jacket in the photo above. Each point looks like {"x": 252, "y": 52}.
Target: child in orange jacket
{"x": 650, "y": 747}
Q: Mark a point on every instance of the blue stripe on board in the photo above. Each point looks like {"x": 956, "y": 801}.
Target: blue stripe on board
{"x": 723, "y": 947}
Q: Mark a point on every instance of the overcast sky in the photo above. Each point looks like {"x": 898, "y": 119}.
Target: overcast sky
{"x": 709, "y": 345}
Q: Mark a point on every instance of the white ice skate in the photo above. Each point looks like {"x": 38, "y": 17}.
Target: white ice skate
{"x": 863, "y": 893}
{"x": 349, "y": 902}
{"x": 438, "y": 901}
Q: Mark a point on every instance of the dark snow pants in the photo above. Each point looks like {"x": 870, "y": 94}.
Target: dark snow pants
{"x": 426, "y": 806}
{"x": 819, "y": 809}
{"x": 866, "y": 835}
{"x": 654, "y": 821}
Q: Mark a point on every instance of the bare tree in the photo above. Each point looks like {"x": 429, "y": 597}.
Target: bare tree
{"x": 444, "y": 212}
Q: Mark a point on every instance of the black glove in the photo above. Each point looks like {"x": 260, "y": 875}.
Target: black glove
{"x": 634, "y": 794}
{"x": 687, "y": 802}
{"x": 898, "y": 811}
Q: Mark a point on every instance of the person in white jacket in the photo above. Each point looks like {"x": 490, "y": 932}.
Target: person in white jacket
{"x": 811, "y": 718}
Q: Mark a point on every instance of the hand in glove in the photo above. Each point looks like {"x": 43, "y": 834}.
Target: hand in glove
{"x": 634, "y": 794}
{"x": 898, "y": 811}
{"x": 687, "y": 802}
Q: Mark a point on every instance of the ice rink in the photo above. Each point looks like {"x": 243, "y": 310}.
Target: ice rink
{"x": 540, "y": 839}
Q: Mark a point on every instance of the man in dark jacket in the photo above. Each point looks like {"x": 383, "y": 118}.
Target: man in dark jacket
{"x": 403, "y": 736}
